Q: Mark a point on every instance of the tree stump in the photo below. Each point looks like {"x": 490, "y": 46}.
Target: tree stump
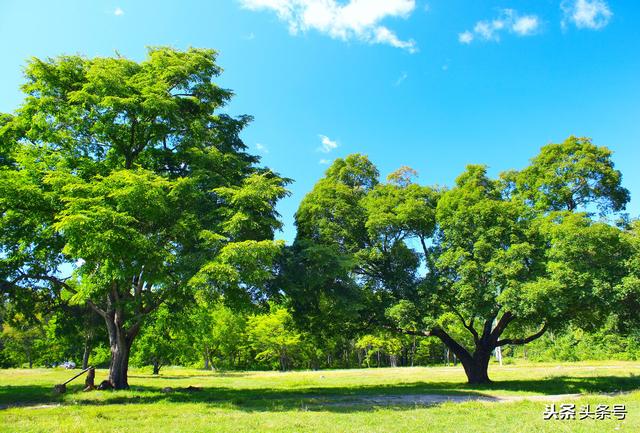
{"x": 89, "y": 381}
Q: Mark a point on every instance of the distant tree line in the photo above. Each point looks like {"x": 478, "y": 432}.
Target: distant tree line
{"x": 218, "y": 339}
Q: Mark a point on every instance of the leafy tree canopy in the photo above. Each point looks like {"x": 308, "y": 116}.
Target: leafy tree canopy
{"x": 129, "y": 171}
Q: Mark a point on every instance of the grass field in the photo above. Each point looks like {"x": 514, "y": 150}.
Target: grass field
{"x": 373, "y": 400}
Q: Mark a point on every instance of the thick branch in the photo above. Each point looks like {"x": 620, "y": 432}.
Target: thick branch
{"x": 462, "y": 353}
{"x": 502, "y": 324}
{"x": 469, "y": 326}
{"x": 520, "y": 341}
{"x": 66, "y": 286}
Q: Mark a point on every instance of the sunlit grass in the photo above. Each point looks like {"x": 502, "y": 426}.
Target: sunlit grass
{"x": 328, "y": 400}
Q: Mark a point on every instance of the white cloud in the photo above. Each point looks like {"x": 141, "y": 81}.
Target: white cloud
{"x": 509, "y": 20}
{"x": 324, "y": 161}
{"x": 118, "y": 12}
{"x": 401, "y": 78}
{"x": 525, "y": 25}
{"x": 355, "y": 19}
{"x": 465, "y": 37}
{"x": 262, "y": 148}
{"x": 327, "y": 144}
{"x": 586, "y": 14}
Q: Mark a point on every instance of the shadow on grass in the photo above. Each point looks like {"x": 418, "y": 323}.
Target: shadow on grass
{"x": 339, "y": 399}
{"x": 213, "y": 374}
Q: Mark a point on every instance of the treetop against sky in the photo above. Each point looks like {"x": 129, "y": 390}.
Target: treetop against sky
{"x": 433, "y": 85}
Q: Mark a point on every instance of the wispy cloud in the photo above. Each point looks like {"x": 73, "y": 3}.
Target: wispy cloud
{"x": 327, "y": 144}
{"x": 465, "y": 37}
{"x": 586, "y": 14}
{"x": 401, "y": 78}
{"x": 261, "y": 148}
{"x": 355, "y": 19}
{"x": 526, "y": 25}
{"x": 118, "y": 12}
{"x": 324, "y": 161}
{"x": 509, "y": 21}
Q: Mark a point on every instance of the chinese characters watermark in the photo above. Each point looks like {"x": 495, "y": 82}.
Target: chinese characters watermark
{"x": 599, "y": 412}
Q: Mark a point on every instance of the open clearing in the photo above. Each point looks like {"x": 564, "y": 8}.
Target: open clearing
{"x": 432, "y": 399}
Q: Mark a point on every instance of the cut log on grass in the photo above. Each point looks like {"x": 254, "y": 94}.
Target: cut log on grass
{"x": 62, "y": 387}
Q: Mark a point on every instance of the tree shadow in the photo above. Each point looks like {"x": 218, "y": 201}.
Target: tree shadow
{"x": 171, "y": 376}
{"x": 339, "y": 399}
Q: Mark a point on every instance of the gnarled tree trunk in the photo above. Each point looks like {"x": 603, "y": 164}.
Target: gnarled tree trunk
{"x": 476, "y": 364}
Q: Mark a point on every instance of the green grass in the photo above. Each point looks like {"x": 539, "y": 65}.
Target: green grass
{"x": 332, "y": 401}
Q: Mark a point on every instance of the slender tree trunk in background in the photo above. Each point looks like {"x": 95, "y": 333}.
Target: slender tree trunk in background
{"x": 393, "y": 360}
{"x": 206, "y": 355}
{"x": 413, "y": 351}
{"x": 156, "y": 366}
{"x": 87, "y": 352}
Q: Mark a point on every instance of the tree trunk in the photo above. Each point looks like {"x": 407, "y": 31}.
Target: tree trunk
{"x": 87, "y": 353}
{"x": 120, "y": 345}
{"x": 29, "y": 360}
{"x": 476, "y": 367}
{"x": 156, "y": 366}
{"x": 119, "y": 365}
{"x": 393, "y": 360}
{"x": 413, "y": 350}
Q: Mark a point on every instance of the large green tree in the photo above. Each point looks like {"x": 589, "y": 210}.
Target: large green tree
{"x": 486, "y": 263}
{"x": 123, "y": 184}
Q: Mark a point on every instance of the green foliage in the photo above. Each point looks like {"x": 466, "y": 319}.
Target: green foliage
{"x": 274, "y": 337}
{"x": 628, "y": 290}
{"x": 571, "y": 175}
{"x": 487, "y": 263}
{"x": 161, "y": 341}
{"x": 129, "y": 171}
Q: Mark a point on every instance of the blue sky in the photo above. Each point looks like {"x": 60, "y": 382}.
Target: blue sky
{"x": 434, "y": 84}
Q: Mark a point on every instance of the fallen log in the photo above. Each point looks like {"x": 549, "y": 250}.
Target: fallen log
{"x": 62, "y": 387}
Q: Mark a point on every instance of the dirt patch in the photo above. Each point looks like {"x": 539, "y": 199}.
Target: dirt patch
{"x": 29, "y": 405}
{"x": 431, "y": 399}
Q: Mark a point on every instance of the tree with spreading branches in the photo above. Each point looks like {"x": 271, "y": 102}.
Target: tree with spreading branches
{"x": 123, "y": 185}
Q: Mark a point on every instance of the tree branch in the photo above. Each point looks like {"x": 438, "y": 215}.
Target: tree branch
{"x": 520, "y": 341}
{"x": 66, "y": 286}
{"x": 502, "y": 324}
{"x": 469, "y": 327}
